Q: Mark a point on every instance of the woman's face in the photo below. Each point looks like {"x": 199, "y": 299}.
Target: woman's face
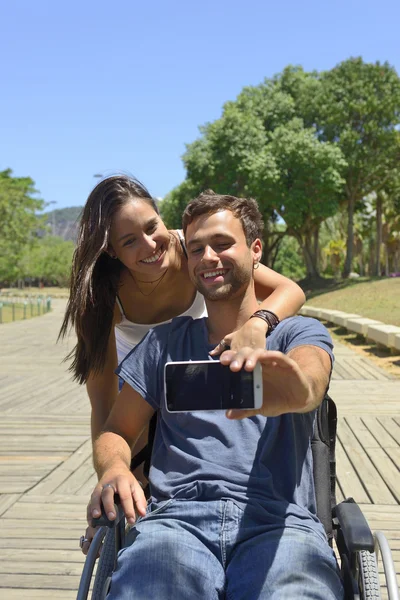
{"x": 140, "y": 239}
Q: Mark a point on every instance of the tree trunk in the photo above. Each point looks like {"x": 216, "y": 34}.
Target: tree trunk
{"x": 307, "y": 246}
{"x": 350, "y": 237}
{"x": 378, "y": 235}
{"x": 316, "y": 246}
{"x": 361, "y": 264}
{"x": 274, "y": 254}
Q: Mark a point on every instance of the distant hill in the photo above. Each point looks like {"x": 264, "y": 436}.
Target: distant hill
{"x": 64, "y": 222}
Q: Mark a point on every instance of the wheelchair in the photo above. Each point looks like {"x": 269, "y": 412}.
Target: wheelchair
{"x": 346, "y": 528}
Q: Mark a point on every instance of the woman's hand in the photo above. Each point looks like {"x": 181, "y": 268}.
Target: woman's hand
{"x": 90, "y": 532}
{"x": 251, "y": 335}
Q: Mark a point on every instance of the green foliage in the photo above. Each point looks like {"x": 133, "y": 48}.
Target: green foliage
{"x": 174, "y": 203}
{"x": 289, "y": 261}
{"x": 48, "y": 261}
{"x": 359, "y": 109}
{"x": 261, "y": 147}
{"x": 19, "y": 222}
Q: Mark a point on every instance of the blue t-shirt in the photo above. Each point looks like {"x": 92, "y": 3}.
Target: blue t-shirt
{"x": 205, "y": 456}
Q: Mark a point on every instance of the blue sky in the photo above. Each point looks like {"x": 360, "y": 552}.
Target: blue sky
{"x": 98, "y": 87}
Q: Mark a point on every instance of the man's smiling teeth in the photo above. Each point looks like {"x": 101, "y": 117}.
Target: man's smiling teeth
{"x": 213, "y": 273}
{"x": 153, "y": 258}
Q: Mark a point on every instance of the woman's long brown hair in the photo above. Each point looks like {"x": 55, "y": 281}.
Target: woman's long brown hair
{"x": 95, "y": 275}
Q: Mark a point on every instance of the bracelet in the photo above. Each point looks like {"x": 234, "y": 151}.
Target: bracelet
{"x": 269, "y": 317}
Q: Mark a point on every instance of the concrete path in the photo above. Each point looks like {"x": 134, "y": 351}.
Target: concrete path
{"x": 46, "y": 474}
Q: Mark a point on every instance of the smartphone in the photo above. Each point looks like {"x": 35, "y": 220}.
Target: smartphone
{"x": 209, "y": 385}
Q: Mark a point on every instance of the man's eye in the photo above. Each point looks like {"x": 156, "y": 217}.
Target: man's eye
{"x": 196, "y": 251}
{"x": 223, "y": 245}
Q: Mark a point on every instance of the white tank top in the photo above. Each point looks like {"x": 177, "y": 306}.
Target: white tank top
{"x": 128, "y": 333}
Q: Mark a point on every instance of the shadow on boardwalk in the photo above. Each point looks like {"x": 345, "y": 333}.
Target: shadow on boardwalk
{"x": 46, "y": 474}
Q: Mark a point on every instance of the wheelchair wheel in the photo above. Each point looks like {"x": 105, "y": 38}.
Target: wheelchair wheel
{"x": 368, "y": 576}
{"x": 105, "y": 566}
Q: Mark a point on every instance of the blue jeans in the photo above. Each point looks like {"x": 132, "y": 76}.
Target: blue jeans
{"x": 186, "y": 549}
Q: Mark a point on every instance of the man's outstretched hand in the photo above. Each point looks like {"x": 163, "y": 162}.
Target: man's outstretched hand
{"x": 292, "y": 383}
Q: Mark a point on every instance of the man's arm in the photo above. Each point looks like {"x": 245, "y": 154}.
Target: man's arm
{"x": 292, "y": 383}
{"x": 316, "y": 365}
{"x": 112, "y": 455}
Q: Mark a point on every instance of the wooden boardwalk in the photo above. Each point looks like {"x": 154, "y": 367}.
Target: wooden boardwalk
{"x": 46, "y": 474}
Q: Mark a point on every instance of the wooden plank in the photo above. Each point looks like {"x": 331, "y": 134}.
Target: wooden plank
{"x": 372, "y": 481}
{"x": 51, "y": 594}
{"x": 39, "y": 568}
{"x": 348, "y": 478}
{"x": 363, "y": 435}
{"x": 394, "y": 455}
{"x": 356, "y": 370}
{"x": 49, "y": 582}
{"x": 49, "y": 511}
{"x": 47, "y": 528}
{"x": 89, "y": 486}
{"x": 387, "y": 470}
{"x": 7, "y": 500}
{"x": 41, "y": 543}
{"x": 23, "y": 555}
{"x": 391, "y": 427}
{"x": 61, "y": 473}
{"x": 342, "y": 370}
{"x": 78, "y": 478}
{"x": 379, "y": 432}
{"x": 55, "y": 499}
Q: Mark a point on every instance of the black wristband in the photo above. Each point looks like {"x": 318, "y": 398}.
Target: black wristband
{"x": 269, "y": 317}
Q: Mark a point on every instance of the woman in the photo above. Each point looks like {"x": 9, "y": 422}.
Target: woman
{"x": 130, "y": 273}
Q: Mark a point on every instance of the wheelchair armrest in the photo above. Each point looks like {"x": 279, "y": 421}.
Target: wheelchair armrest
{"x": 353, "y": 526}
{"x": 104, "y": 521}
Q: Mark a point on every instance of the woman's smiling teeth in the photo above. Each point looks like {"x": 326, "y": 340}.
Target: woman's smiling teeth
{"x": 154, "y": 257}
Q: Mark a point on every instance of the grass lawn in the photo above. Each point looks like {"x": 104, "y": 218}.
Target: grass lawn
{"x": 19, "y": 304}
{"x": 373, "y": 298}
{"x": 19, "y": 312}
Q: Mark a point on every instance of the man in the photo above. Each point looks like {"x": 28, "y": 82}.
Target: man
{"x": 232, "y": 512}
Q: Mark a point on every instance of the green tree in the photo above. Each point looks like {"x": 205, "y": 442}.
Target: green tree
{"x": 359, "y": 109}
{"x": 308, "y": 186}
{"x": 173, "y": 205}
{"x": 19, "y": 222}
{"x": 289, "y": 260}
{"x": 260, "y": 147}
{"x": 48, "y": 261}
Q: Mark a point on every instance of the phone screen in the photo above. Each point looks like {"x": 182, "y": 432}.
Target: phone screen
{"x": 207, "y": 386}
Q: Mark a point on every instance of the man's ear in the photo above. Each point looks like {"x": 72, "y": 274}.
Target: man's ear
{"x": 256, "y": 249}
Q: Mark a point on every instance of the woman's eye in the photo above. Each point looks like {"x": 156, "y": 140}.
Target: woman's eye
{"x": 129, "y": 242}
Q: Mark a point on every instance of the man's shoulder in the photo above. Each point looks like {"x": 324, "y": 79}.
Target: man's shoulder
{"x": 297, "y": 330}
{"x": 299, "y": 323}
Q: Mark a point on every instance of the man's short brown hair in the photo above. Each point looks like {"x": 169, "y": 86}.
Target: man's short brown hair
{"x": 244, "y": 209}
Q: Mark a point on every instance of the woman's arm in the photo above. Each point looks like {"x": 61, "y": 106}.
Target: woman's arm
{"x": 102, "y": 388}
{"x": 276, "y": 293}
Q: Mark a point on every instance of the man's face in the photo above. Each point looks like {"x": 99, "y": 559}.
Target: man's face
{"x": 220, "y": 262}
